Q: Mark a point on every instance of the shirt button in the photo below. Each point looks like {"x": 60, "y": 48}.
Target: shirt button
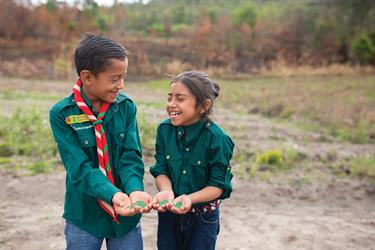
{"x": 167, "y": 157}
{"x": 208, "y": 124}
{"x": 187, "y": 149}
{"x": 179, "y": 133}
{"x": 86, "y": 142}
{"x": 184, "y": 172}
{"x": 199, "y": 162}
{"x": 122, "y": 135}
{"x": 228, "y": 168}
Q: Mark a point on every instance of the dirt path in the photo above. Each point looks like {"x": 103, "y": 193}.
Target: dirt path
{"x": 258, "y": 216}
{"x": 328, "y": 212}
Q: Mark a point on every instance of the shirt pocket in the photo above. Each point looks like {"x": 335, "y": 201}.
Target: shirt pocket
{"x": 118, "y": 137}
{"x": 199, "y": 169}
{"x": 174, "y": 163}
{"x": 86, "y": 136}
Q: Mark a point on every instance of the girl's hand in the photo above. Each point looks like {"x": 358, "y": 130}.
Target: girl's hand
{"x": 121, "y": 202}
{"x": 181, "y": 205}
{"x": 141, "y": 201}
{"x": 163, "y": 200}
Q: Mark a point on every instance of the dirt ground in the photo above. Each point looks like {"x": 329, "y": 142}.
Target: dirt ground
{"x": 258, "y": 215}
{"x": 327, "y": 213}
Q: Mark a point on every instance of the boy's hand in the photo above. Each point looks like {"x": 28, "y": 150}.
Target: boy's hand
{"x": 163, "y": 200}
{"x": 121, "y": 204}
{"x": 181, "y": 205}
{"x": 141, "y": 201}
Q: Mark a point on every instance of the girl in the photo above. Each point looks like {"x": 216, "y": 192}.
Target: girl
{"x": 192, "y": 168}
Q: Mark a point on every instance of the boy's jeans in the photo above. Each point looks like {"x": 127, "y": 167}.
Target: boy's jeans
{"x": 189, "y": 231}
{"x": 77, "y": 239}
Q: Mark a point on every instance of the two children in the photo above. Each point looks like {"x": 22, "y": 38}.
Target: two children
{"x": 96, "y": 133}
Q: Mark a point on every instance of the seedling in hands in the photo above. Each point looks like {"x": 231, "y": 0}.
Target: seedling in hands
{"x": 163, "y": 202}
{"x": 140, "y": 204}
{"x": 178, "y": 204}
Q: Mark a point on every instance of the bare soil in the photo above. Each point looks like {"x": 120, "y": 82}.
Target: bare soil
{"x": 281, "y": 212}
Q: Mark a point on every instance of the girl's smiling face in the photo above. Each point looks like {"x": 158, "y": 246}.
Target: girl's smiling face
{"x": 181, "y": 105}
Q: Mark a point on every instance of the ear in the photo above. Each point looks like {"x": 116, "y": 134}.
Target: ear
{"x": 86, "y": 77}
{"x": 206, "y": 105}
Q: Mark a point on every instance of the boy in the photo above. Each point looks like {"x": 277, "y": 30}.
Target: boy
{"x": 96, "y": 133}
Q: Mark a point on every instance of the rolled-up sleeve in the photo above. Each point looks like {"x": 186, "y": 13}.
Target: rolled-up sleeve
{"x": 219, "y": 161}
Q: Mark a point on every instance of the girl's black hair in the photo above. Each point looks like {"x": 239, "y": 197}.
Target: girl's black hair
{"x": 201, "y": 86}
{"x": 94, "y": 52}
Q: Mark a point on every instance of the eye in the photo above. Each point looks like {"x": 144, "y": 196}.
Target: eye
{"x": 169, "y": 98}
{"x": 115, "y": 79}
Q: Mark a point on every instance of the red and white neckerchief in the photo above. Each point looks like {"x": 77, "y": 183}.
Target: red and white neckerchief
{"x": 101, "y": 142}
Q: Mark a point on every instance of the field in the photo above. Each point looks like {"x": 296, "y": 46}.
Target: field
{"x": 304, "y": 162}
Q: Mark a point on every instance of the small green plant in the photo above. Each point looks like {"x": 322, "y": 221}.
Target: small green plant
{"x": 178, "y": 204}
{"x": 363, "y": 48}
{"x": 163, "y": 202}
{"x": 271, "y": 158}
{"x": 362, "y": 166}
{"x": 275, "y": 159}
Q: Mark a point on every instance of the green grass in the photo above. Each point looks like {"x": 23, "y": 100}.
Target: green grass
{"x": 159, "y": 84}
{"x": 336, "y": 106}
{"x": 28, "y": 95}
{"x": 361, "y": 166}
{"x": 27, "y": 134}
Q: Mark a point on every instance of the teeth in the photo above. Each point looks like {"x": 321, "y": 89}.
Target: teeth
{"x": 174, "y": 113}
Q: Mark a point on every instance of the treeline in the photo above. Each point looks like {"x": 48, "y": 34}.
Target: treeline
{"x": 218, "y": 35}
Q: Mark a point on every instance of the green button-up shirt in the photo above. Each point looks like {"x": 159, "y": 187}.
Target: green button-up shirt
{"x": 85, "y": 183}
{"x": 194, "y": 157}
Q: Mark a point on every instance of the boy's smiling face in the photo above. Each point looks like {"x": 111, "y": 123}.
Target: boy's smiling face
{"x": 181, "y": 105}
{"x": 106, "y": 85}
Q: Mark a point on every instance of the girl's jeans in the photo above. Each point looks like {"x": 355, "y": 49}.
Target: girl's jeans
{"x": 189, "y": 231}
{"x": 76, "y": 239}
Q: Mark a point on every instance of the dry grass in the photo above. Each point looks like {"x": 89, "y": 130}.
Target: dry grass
{"x": 281, "y": 69}
{"x": 343, "y": 107}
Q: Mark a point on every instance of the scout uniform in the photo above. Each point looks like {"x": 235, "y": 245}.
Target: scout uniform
{"x": 85, "y": 183}
{"x": 194, "y": 157}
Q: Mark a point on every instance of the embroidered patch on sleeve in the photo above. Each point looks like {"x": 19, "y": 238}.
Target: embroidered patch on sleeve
{"x": 76, "y": 119}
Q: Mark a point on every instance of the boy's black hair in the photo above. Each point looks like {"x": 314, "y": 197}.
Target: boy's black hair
{"x": 94, "y": 52}
{"x": 201, "y": 86}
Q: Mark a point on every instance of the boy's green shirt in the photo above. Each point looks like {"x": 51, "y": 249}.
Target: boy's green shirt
{"x": 85, "y": 183}
{"x": 194, "y": 157}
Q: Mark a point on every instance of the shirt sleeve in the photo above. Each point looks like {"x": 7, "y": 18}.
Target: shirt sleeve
{"x": 160, "y": 167}
{"x": 131, "y": 168}
{"x": 219, "y": 160}
{"x": 80, "y": 169}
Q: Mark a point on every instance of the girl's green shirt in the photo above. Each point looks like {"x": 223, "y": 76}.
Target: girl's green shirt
{"x": 85, "y": 183}
{"x": 194, "y": 157}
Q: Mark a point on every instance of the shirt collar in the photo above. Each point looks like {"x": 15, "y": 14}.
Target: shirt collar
{"x": 188, "y": 135}
{"x": 88, "y": 103}
{"x": 112, "y": 109}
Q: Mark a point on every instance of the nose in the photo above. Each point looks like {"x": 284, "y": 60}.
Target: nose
{"x": 120, "y": 84}
{"x": 171, "y": 104}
